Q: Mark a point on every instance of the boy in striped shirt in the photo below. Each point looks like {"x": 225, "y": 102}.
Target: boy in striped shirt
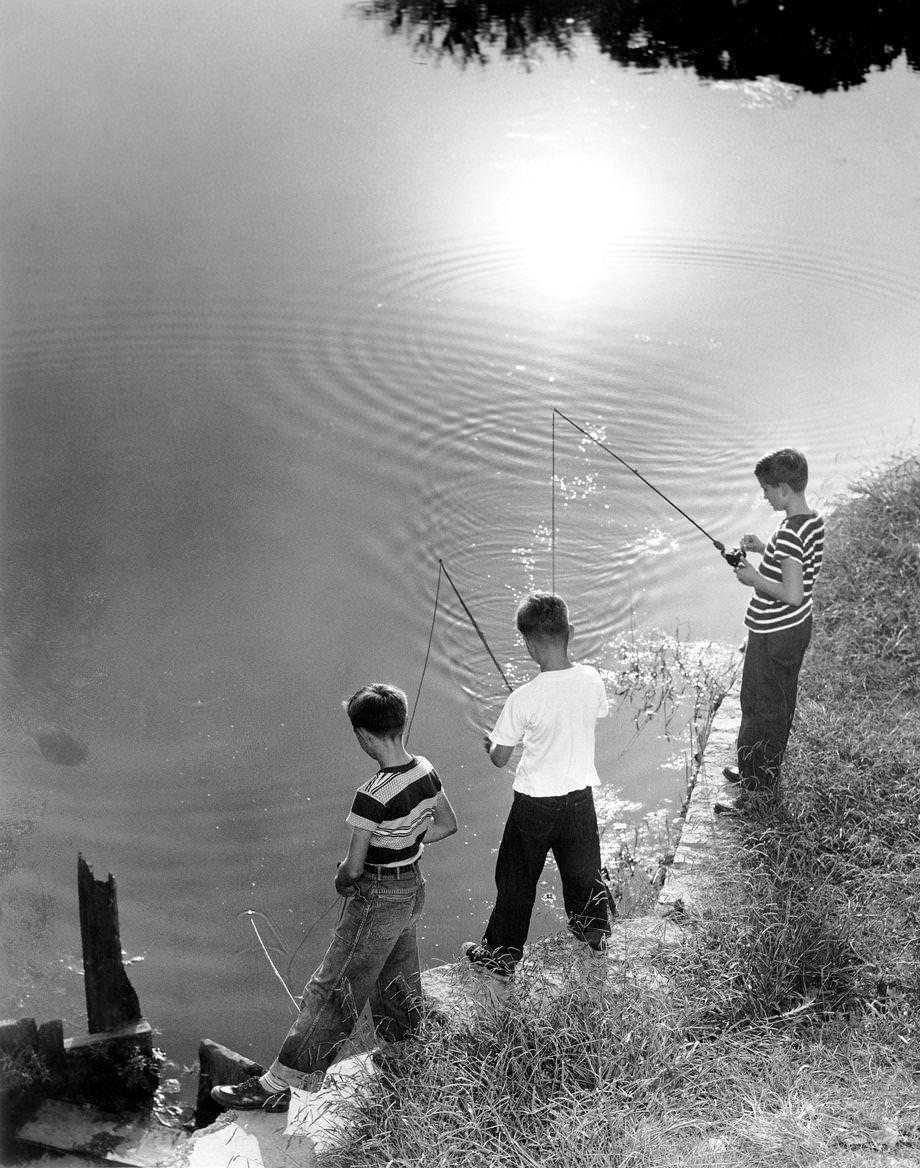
{"x": 374, "y": 952}
{"x": 778, "y": 621}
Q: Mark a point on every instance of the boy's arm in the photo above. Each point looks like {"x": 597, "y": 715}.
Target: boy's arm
{"x": 791, "y": 590}
{"x": 444, "y": 822}
{"x": 497, "y": 753}
{"x": 352, "y": 867}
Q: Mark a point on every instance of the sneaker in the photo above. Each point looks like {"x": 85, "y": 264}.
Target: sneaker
{"x": 597, "y": 948}
{"x": 250, "y": 1095}
{"x": 499, "y": 965}
{"x": 595, "y": 941}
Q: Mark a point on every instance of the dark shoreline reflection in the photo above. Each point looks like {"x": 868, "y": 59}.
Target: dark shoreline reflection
{"x": 818, "y": 45}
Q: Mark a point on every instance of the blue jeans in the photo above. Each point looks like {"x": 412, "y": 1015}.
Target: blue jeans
{"x": 566, "y": 825}
{"x": 373, "y": 958}
{"x": 769, "y": 689}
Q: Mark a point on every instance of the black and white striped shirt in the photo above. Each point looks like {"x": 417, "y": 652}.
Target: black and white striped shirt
{"x": 397, "y": 805}
{"x": 799, "y": 537}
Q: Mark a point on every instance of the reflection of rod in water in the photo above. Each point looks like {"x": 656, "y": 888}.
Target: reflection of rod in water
{"x": 734, "y": 557}
{"x": 442, "y": 571}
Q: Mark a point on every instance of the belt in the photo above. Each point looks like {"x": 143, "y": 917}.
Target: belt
{"x": 394, "y": 871}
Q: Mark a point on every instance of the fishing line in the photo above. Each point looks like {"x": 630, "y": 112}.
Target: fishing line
{"x": 434, "y": 617}
{"x": 442, "y": 571}
{"x": 734, "y": 557}
{"x": 552, "y": 479}
{"x": 252, "y": 913}
{"x": 324, "y": 913}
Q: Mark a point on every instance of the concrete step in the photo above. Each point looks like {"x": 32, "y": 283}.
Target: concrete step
{"x": 257, "y": 1139}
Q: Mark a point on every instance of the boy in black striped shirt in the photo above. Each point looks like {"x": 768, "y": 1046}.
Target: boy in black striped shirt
{"x": 778, "y": 621}
{"x": 373, "y": 957}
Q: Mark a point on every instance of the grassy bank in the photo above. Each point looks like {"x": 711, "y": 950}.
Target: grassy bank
{"x": 784, "y": 1031}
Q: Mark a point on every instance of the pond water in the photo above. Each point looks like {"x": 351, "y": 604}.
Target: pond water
{"x": 288, "y": 304}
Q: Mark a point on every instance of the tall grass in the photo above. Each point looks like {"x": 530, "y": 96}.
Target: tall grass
{"x": 553, "y": 1076}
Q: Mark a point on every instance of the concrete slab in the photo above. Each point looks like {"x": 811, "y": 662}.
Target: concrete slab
{"x": 460, "y": 992}
{"x": 133, "y": 1141}
{"x": 250, "y": 1139}
{"x": 705, "y": 838}
{"x": 315, "y": 1123}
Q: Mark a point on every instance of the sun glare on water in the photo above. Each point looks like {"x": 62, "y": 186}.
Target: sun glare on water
{"x": 565, "y": 216}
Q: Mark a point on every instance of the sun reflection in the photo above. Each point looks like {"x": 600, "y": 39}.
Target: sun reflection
{"x": 565, "y": 215}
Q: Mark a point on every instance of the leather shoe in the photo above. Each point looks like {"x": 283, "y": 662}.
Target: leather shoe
{"x": 735, "y": 807}
{"x": 733, "y": 775}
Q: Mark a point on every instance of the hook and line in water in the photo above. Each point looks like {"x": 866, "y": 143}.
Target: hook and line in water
{"x": 443, "y": 573}
{"x": 252, "y": 913}
{"x": 734, "y": 557}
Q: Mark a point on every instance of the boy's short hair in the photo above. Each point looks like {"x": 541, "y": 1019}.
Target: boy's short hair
{"x": 783, "y": 466}
{"x": 379, "y": 708}
{"x": 543, "y": 614}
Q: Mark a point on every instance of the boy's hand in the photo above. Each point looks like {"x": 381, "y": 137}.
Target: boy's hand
{"x": 487, "y": 743}
{"x": 750, "y": 543}
{"x": 498, "y": 755}
{"x": 745, "y": 574}
{"x": 344, "y": 884}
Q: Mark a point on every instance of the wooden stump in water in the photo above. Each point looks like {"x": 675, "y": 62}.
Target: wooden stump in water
{"x": 111, "y": 1002}
{"x": 114, "y": 1064}
{"x": 218, "y": 1064}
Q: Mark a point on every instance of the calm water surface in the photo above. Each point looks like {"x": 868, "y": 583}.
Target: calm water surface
{"x": 286, "y": 310}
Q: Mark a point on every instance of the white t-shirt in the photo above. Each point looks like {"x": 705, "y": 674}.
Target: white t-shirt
{"x": 554, "y": 716}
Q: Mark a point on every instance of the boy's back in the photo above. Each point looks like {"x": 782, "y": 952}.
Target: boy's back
{"x": 552, "y": 810}
{"x": 554, "y": 716}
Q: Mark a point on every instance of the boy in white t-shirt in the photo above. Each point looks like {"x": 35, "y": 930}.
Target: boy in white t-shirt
{"x": 554, "y": 717}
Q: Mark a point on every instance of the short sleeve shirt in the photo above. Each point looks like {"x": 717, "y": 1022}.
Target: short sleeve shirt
{"x": 397, "y": 806}
{"x": 801, "y": 538}
{"x": 554, "y": 716}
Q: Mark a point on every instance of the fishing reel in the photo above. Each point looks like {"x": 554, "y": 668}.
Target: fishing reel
{"x": 734, "y": 557}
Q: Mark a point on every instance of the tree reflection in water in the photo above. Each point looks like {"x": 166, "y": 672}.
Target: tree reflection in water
{"x": 818, "y": 45}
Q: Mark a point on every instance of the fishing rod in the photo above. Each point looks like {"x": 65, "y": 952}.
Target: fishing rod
{"x": 734, "y": 557}
{"x": 474, "y": 623}
{"x": 443, "y": 573}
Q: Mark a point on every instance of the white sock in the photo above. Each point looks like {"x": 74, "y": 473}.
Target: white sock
{"x": 273, "y": 1084}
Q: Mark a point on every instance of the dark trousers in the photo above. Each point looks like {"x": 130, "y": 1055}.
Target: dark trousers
{"x": 565, "y": 825}
{"x": 769, "y": 687}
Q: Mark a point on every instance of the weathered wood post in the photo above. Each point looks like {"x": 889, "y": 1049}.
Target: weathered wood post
{"x": 114, "y": 1064}
{"x": 111, "y": 1002}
